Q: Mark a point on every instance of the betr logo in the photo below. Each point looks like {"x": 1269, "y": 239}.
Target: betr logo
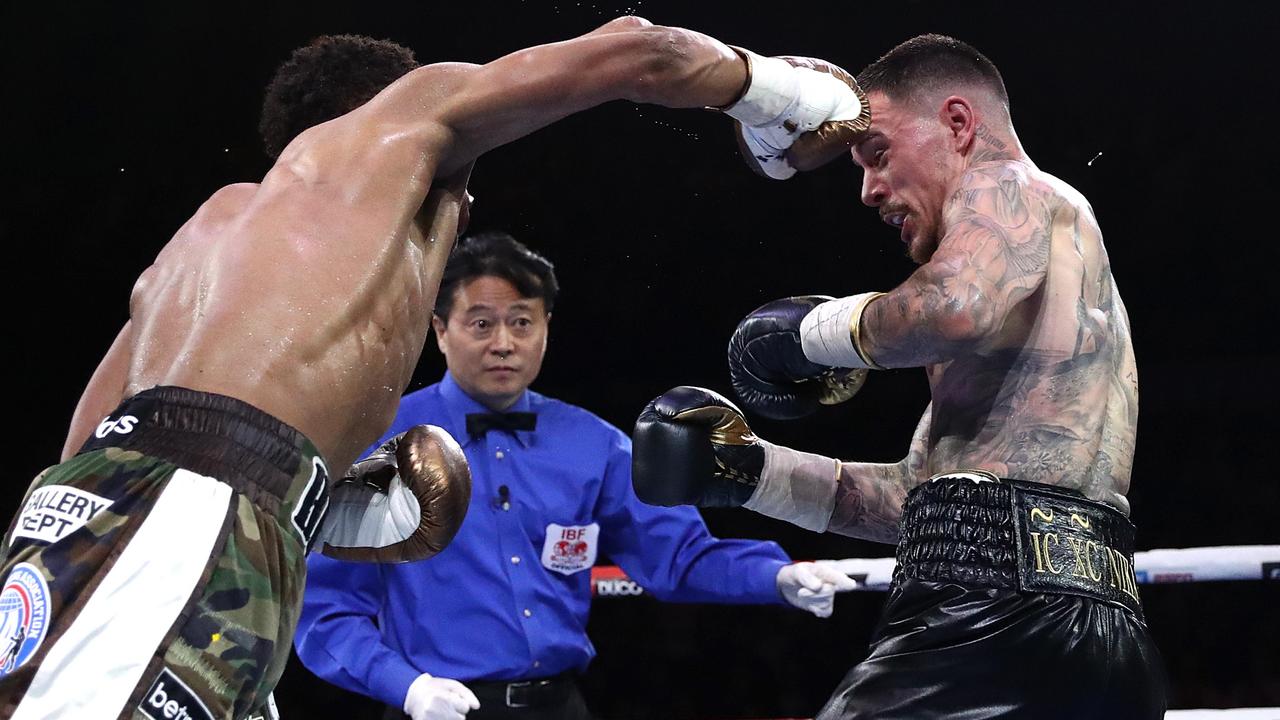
{"x": 170, "y": 699}
{"x": 124, "y": 425}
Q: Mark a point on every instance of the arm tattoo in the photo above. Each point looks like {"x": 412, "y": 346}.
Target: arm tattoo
{"x": 994, "y": 254}
{"x": 869, "y": 496}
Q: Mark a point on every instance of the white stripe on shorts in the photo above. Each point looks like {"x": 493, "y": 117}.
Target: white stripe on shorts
{"x": 95, "y": 665}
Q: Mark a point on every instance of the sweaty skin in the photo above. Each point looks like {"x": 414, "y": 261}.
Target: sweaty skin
{"x": 309, "y": 295}
{"x": 1015, "y": 316}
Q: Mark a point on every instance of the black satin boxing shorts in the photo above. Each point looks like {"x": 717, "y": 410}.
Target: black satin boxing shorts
{"x": 1010, "y": 600}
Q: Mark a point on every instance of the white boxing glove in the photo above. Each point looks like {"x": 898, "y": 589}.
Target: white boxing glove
{"x": 796, "y": 113}
{"x": 812, "y": 586}
{"x": 433, "y": 698}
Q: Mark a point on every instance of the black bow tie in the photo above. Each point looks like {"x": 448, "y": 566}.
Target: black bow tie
{"x": 480, "y": 423}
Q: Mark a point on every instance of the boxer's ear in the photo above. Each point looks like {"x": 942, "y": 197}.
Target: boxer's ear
{"x": 958, "y": 117}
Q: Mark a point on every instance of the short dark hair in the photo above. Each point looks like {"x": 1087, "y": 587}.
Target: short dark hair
{"x": 928, "y": 63}
{"x": 497, "y": 254}
{"x": 329, "y": 77}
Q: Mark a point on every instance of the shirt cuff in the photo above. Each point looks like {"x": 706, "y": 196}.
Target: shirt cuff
{"x": 390, "y": 683}
{"x": 763, "y": 582}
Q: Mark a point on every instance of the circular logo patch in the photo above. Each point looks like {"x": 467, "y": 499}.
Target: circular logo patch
{"x": 24, "y": 613}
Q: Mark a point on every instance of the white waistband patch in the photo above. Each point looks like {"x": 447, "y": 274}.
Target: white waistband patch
{"x": 55, "y": 511}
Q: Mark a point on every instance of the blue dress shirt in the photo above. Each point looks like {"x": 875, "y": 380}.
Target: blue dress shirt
{"x": 487, "y": 607}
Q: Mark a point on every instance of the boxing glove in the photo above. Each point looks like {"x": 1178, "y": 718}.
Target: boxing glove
{"x": 692, "y": 446}
{"x": 768, "y": 368}
{"x": 404, "y": 502}
{"x": 796, "y": 113}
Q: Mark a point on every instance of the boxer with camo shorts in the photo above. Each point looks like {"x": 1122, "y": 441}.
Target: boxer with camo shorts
{"x": 157, "y": 571}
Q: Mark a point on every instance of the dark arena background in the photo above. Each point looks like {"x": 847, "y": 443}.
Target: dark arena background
{"x": 122, "y": 118}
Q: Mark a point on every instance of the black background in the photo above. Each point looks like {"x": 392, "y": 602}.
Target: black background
{"x": 120, "y": 120}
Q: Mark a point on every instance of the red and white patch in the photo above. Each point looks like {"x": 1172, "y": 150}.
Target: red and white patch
{"x": 571, "y": 549}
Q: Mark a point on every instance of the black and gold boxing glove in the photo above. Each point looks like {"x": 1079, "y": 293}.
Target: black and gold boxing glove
{"x": 692, "y": 446}
{"x": 769, "y": 370}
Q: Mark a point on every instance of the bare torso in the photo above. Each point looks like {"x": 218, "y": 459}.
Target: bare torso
{"x": 292, "y": 297}
{"x": 1053, "y": 397}
{"x": 1039, "y": 381}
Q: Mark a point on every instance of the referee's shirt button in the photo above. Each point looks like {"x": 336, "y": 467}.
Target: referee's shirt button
{"x": 528, "y": 612}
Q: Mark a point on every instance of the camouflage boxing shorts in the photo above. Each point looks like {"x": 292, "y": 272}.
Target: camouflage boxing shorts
{"x": 159, "y": 572}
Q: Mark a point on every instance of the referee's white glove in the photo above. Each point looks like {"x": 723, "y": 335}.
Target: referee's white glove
{"x": 433, "y": 698}
{"x": 812, "y": 586}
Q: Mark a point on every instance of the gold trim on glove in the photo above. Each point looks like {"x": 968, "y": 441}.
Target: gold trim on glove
{"x": 728, "y": 427}
{"x": 862, "y": 123}
{"x": 840, "y": 385}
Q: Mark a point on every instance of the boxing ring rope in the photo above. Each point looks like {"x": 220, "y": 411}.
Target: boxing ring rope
{"x": 1270, "y": 713}
{"x": 1202, "y": 564}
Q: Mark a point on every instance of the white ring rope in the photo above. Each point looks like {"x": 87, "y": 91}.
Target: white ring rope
{"x": 1204, "y": 564}
{"x": 1262, "y": 713}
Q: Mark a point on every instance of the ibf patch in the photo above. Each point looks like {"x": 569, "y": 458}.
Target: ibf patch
{"x": 24, "y": 616}
{"x": 313, "y": 503}
{"x": 572, "y": 549}
{"x": 55, "y": 511}
{"x": 171, "y": 699}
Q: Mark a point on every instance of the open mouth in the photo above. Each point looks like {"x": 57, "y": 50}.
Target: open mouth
{"x": 898, "y": 219}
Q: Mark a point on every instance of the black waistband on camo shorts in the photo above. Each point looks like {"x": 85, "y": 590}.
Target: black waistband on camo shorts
{"x": 217, "y": 436}
{"x": 975, "y": 529}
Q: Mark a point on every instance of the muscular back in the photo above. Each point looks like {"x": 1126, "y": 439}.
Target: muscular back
{"x": 1051, "y": 394}
{"x": 298, "y": 297}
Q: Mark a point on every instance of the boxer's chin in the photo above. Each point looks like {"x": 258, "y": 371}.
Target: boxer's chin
{"x": 922, "y": 246}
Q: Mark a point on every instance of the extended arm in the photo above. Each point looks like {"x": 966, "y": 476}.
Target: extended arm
{"x": 693, "y": 447}
{"x": 103, "y": 393}
{"x": 338, "y": 637}
{"x": 385, "y": 155}
{"x": 627, "y": 59}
